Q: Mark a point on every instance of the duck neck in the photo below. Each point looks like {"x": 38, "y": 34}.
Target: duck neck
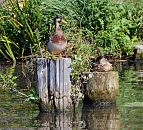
{"x": 57, "y": 26}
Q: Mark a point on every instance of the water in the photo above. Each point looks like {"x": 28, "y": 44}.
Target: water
{"x": 16, "y": 113}
{"x": 130, "y": 100}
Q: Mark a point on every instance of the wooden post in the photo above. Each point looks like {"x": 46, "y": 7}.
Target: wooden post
{"x": 102, "y": 89}
{"x": 53, "y": 84}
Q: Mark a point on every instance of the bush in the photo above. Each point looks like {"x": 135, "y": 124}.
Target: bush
{"x": 114, "y": 26}
{"x": 25, "y": 25}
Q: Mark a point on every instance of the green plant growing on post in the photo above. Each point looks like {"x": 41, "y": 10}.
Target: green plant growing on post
{"x": 81, "y": 63}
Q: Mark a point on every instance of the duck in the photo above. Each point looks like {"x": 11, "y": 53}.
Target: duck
{"x": 103, "y": 66}
{"x": 57, "y": 42}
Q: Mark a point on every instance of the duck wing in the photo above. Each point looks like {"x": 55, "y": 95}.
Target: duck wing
{"x": 58, "y": 39}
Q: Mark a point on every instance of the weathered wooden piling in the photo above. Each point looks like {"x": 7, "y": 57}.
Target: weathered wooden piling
{"x": 54, "y": 84}
{"x": 102, "y": 88}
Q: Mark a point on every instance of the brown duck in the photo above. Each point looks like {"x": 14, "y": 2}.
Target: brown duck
{"x": 103, "y": 66}
{"x": 57, "y": 42}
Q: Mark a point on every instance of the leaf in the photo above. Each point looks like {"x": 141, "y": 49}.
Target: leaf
{"x": 3, "y": 54}
{"x": 8, "y": 50}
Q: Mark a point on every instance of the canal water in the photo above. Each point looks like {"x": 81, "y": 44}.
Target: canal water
{"x": 16, "y": 113}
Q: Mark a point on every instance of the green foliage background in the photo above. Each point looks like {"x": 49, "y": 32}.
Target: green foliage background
{"x": 112, "y": 26}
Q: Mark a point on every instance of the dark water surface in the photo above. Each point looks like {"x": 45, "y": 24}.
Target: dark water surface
{"x": 16, "y": 113}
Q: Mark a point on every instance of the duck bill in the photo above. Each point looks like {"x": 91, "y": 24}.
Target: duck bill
{"x": 63, "y": 21}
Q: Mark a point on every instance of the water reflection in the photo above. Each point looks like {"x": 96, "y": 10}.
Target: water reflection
{"x": 101, "y": 119}
{"x": 132, "y": 119}
{"x": 15, "y": 112}
{"x": 55, "y": 121}
{"x": 87, "y": 119}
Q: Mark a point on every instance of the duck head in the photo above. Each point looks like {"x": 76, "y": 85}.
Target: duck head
{"x": 59, "y": 19}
